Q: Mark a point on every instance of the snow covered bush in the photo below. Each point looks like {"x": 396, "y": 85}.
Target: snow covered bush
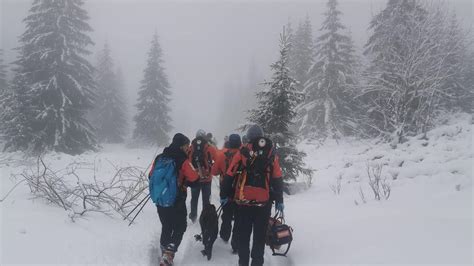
{"x": 336, "y": 188}
{"x": 378, "y": 184}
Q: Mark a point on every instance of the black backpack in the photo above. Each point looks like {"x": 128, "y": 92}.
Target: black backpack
{"x": 201, "y": 160}
{"x": 259, "y": 162}
{"x": 278, "y": 234}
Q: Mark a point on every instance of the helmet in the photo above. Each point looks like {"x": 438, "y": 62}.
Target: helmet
{"x": 201, "y": 133}
{"x": 254, "y": 131}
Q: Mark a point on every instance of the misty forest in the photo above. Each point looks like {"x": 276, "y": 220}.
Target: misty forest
{"x": 355, "y": 115}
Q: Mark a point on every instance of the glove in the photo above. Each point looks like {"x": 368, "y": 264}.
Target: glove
{"x": 280, "y": 207}
{"x": 224, "y": 201}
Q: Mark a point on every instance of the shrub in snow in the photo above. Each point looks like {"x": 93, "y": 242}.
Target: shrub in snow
{"x": 336, "y": 188}
{"x": 380, "y": 187}
{"x": 66, "y": 188}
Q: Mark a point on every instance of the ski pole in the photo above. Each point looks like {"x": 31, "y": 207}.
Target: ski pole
{"x": 147, "y": 196}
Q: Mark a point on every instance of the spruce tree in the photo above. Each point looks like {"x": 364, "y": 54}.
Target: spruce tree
{"x": 459, "y": 93}
{"x": 3, "y": 74}
{"x": 153, "y": 119}
{"x": 109, "y": 116}
{"x": 53, "y": 85}
{"x": 302, "y": 52}
{"x": 328, "y": 108}
{"x": 16, "y": 115}
{"x": 276, "y": 111}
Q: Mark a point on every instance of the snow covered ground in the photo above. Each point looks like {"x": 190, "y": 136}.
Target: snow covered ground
{"x": 427, "y": 219}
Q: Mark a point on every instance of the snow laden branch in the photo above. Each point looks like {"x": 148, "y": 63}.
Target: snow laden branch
{"x": 68, "y": 189}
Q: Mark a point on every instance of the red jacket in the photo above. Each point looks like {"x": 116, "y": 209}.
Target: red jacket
{"x": 223, "y": 160}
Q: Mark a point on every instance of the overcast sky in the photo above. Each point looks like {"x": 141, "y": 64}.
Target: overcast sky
{"x": 207, "y": 45}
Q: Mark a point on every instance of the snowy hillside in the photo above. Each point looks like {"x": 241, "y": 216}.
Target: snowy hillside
{"x": 426, "y": 220}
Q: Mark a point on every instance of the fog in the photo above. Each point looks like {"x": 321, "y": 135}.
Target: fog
{"x": 209, "y": 47}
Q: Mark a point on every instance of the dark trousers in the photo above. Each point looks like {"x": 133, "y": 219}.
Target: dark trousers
{"x": 252, "y": 218}
{"x": 195, "y": 191}
{"x": 229, "y": 213}
{"x": 173, "y": 223}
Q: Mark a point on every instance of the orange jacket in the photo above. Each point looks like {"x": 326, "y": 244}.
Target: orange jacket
{"x": 223, "y": 159}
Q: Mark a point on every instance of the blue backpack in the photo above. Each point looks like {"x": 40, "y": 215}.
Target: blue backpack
{"x": 163, "y": 182}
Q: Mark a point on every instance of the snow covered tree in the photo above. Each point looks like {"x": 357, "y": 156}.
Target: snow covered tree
{"x": 414, "y": 65}
{"x": 3, "y": 74}
{"x": 302, "y": 53}
{"x": 53, "y": 85}
{"x": 459, "y": 93}
{"x": 276, "y": 111}
{"x": 109, "y": 115}
{"x": 328, "y": 110}
{"x": 153, "y": 119}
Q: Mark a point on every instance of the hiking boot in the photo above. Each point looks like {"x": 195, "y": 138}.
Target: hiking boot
{"x": 167, "y": 258}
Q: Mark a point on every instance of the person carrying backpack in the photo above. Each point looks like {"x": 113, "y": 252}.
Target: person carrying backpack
{"x": 229, "y": 210}
{"x": 171, "y": 173}
{"x": 258, "y": 181}
{"x": 202, "y": 156}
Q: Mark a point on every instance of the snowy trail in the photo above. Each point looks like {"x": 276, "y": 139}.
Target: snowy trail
{"x": 154, "y": 252}
{"x": 190, "y": 250}
{"x": 427, "y": 220}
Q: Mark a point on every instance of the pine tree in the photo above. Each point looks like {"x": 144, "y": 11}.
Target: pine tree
{"x": 109, "y": 121}
{"x": 3, "y": 89}
{"x": 328, "y": 108}
{"x": 275, "y": 113}
{"x": 16, "y": 127}
{"x": 459, "y": 93}
{"x": 153, "y": 119}
{"x": 302, "y": 52}
{"x": 53, "y": 85}
{"x": 122, "y": 91}
{"x": 3, "y": 74}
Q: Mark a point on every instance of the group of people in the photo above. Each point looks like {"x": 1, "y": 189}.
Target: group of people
{"x": 250, "y": 180}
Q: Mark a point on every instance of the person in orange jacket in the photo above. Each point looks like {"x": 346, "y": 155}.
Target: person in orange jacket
{"x": 202, "y": 156}
{"x": 258, "y": 181}
{"x": 173, "y": 219}
{"x": 229, "y": 210}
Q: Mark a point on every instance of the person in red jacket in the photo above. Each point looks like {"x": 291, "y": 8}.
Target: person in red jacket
{"x": 258, "y": 181}
{"x": 173, "y": 219}
{"x": 229, "y": 210}
{"x": 202, "y": 156}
